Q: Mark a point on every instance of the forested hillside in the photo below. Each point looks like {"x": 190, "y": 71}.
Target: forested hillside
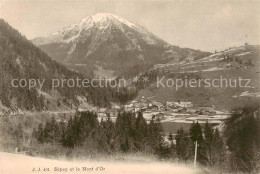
{"x": 20, "y": 59}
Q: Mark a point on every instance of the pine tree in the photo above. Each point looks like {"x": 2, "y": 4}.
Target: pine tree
{"x": 242, "y": 133}
{"x": 208, "y": 134}
{"x": 218, "y": 151}
{"x": 19, "y": 135}
{"x": 52, "y": 131}
{"x": 141, "y": 132}
{"x": 155, "y": 137}
{"x": 171, "y": 138}
{"x": 172, "y": 146}
{"x": 40, "y": 133}
{"x": 183, "y": 145}
{"x": 196, "y": 135}
{"x": 68, "y": 135}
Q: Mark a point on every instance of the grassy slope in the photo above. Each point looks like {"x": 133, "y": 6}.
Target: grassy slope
{"x": 222, "y": 98}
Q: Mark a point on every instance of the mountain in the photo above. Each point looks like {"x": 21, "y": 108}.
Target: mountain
{"x": 20, "y": 59}
{"x": 243, "y": 57}
{"x": 105, "y": 41}
{"x": 230, "y": 64}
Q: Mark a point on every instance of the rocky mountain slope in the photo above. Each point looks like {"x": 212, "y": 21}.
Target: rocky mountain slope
{"x": 112, "y": 43}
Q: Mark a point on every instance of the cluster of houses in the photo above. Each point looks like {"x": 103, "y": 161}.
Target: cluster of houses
{"x": 165, "y": 111}
{"x": 153, "y": 108}
{"x": 144, "y": 104}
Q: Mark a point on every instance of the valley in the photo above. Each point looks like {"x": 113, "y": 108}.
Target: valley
{"x": 232, "y": 63}
{"x": 176, "y": 106}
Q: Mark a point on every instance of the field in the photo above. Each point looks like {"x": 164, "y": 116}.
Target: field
{"x": 26, "y": 164}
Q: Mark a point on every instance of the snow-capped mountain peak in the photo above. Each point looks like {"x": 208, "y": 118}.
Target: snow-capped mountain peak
{"x": 100, "y": 21}
{"x": 105, "y": 17}
{"x": 104, "y": 39}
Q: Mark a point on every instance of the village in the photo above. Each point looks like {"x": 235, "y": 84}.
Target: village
{"x": 170, "y": 111}
{"x": 173, "y": 114}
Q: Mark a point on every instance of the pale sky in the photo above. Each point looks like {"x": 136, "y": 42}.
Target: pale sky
{"x": 206, "y": 25}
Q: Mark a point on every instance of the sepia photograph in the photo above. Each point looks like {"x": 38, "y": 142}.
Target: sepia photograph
{"x": 130, "y": 86}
